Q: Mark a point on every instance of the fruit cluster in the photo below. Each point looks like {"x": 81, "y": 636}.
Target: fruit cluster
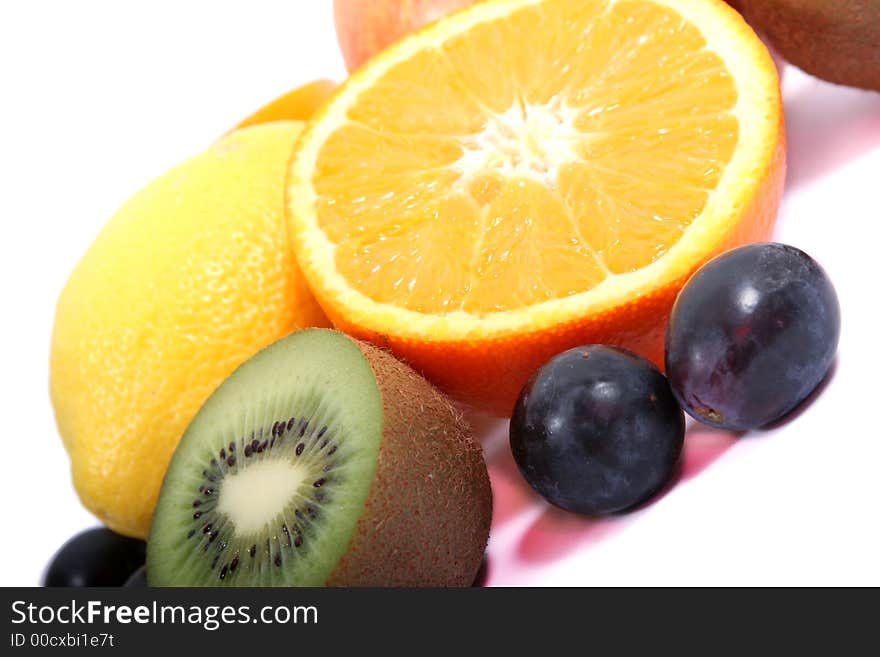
{"x": 596, "y": 430}
{"x": 531, "y": 206}
{"x": 599, "y": 430}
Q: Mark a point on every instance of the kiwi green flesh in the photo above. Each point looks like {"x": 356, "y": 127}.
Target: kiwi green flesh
{"x": 269, "y": 480}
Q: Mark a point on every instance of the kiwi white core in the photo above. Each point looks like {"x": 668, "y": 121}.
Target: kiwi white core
{"x": 255, "y": 496}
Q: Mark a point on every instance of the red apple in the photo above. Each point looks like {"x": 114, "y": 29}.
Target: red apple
{"x": 364, "y": 27}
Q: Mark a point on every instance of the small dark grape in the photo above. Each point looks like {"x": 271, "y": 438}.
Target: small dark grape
{"x": 138, "y": 579}
{"x": 96, "y": 557}
{"x": 596, "y": 430}
{"x": 751, "y": 335}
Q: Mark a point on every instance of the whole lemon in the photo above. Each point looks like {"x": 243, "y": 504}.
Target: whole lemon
{"x": 190, "y": 278}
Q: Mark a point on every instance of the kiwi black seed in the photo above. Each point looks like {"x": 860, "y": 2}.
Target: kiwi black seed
{"x": 322, "y": 460}
{"x": 836, "y": 40}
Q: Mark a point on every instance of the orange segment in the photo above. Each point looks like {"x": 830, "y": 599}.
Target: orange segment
{"x": 528, "y": 173}
{"x": 530, "y": 252}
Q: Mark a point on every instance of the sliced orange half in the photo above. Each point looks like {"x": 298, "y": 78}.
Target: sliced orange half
{"x": 529, "y": 175}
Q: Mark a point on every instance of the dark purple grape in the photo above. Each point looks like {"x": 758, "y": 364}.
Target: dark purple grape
{"x": 751, "y": 335}
{"x": 138, "y": 579}
{"x": 96, "y": 557}
{"x": 596, "y": 430}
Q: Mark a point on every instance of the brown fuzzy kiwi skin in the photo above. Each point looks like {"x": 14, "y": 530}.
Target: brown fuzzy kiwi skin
{"x": 836, "y": 40}
{"x": 426, "y": 518}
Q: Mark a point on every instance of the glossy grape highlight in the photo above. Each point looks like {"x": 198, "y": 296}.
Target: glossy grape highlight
{"x": 751, "y": 335}
{"x": 597, "y": 430}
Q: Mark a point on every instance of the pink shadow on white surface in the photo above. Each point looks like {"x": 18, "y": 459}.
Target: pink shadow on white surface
{"x": 703, "y": 446}
{"x": 557, "y": 533}
{"x": 511, "y": 494}
{"x": 827, "y": 126}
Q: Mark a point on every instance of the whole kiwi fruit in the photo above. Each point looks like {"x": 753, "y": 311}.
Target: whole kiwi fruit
{"x": 322, "y": 460}
{"x": 836, "y": 40}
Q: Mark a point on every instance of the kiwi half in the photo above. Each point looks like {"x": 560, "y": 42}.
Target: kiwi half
{"x": 322, "y": 460}
{"x": 836, "y": 40}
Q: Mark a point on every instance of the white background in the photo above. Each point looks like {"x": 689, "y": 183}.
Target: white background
{"x": 100, "y": 97}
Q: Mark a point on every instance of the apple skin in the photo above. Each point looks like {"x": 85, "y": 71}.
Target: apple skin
{"x": 364, "y": 27}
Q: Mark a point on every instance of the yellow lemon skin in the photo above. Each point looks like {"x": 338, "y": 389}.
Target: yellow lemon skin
{"x": 189, "y": 279}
